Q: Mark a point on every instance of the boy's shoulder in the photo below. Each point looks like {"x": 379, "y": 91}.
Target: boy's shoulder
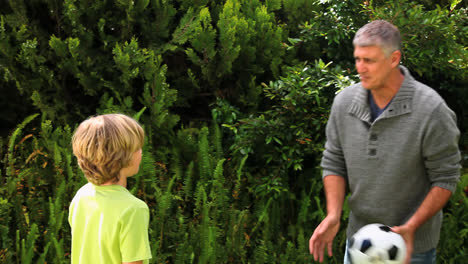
{"x": 113, "y": 197}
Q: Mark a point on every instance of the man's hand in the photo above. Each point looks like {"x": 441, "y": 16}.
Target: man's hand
{"x": 326, "y": 231}
{"x": 408, "y": 235}
{"x": 434, "y": 201}
{"x": 323, "y": 237}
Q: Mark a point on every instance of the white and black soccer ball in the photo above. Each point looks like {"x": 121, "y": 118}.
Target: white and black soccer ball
{"x": 376, "y": 243}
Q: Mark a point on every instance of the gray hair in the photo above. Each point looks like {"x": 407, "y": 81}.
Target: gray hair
{"x": 379, "y": 33}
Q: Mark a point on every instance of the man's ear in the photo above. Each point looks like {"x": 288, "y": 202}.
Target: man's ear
{"x": 395, "y": 58}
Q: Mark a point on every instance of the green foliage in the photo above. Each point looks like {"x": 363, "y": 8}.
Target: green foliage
{"x": 328, "y": 33}
{"x": 36, "y": 193}
{"x": 434, "y": 40}
{"x": 293, "y": 127}
{"x": 283, "y": 145}
{"x": 233, "y": 95}
{"x": 234, "y": 29}
{"x": 455, "y": 226}
{"x": 27, "y": 246}
{"x": 434, "y": 46}
{"x": 63, "y": 56}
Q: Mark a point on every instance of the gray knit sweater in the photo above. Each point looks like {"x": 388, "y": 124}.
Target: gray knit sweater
{"x": 391, "y": 164}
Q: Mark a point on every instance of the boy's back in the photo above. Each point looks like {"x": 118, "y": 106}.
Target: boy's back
{"x": 109, "y": 225}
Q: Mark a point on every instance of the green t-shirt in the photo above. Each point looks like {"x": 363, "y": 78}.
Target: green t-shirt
{"x": 109, "y": 225}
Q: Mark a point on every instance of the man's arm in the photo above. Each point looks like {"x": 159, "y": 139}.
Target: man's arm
{"x": 134, "y": 262}
{"x": 442, "y": 161}
{"x": 435, "y": 200}
{"x": 335, "y": 187}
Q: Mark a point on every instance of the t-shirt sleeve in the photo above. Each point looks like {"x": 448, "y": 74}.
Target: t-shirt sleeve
{"x": 134, "y": 242}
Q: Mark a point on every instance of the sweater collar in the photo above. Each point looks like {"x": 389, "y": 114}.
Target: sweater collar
{"x": 401, "y": 103}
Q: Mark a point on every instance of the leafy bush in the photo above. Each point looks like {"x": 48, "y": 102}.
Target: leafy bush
{"x": 64, "y": 56}
{"x": 233, "y": 112}
{"x": 434, "y": 46}
{"x": 39, "y": 177}
{"x": 454, "y": 234}
{"x": 283, "y": 145}
{"x": 328, "y": 33}
{"x": 293, "y": 126}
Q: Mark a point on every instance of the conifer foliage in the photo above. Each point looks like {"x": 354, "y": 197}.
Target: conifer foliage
{"x": 233, "y": 95}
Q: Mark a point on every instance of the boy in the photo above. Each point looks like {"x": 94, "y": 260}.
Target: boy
{"x": 108, "y": 223}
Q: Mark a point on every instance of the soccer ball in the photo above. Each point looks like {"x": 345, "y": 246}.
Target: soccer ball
{"x": 376, "y": 243}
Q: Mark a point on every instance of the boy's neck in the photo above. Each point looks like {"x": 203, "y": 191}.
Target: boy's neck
{"x": 122, "y": 182}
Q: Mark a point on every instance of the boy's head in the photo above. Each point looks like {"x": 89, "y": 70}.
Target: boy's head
{"x": 105, "y": 144}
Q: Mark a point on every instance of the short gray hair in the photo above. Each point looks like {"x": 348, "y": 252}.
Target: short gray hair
{"x": 379, "y": 33}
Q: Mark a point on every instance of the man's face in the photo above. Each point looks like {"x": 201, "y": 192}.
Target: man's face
{"x": 373, "y": 66}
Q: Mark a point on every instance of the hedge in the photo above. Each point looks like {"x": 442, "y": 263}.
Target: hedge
{"x": 233, "y": 95}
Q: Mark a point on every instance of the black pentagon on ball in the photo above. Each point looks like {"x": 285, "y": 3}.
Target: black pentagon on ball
{"x": 366, "y": 244}
{"x": 385, "y": 228}
{"x": 392, "y": 253}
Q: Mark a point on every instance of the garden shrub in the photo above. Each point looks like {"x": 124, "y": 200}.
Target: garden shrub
{"x": 434, "y": 46}
{"x": 233, "y": 95}
{"x": 63, "y": 56}
{"x": 284, "y": 144}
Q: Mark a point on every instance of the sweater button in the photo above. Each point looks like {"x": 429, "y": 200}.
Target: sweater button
{"x": 373, "y": 137}
{"x": 372, "y": 152}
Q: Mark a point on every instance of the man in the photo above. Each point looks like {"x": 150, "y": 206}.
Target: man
{"x": 393, "y": 142}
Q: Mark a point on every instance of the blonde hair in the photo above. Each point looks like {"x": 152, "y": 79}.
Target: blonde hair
{"x": 104, "y": 144}
{"x": 379, "y": 33}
